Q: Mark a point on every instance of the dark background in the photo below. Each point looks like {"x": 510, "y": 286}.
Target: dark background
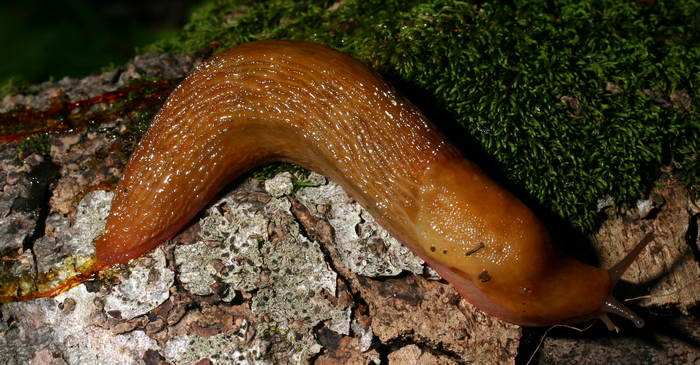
{"x": 43, "y": 39}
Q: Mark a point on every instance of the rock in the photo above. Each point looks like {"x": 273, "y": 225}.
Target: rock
{"x": 666, "y": 272}
{"x": 145, "y": 288}
{"x": 279, "y": 185}
{"x": 413, "y": 355}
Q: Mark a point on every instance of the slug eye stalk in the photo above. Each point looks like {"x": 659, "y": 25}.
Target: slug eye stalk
{"x": 612, "y": 305}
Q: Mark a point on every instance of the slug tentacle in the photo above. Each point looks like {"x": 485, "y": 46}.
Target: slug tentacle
{"x": 618, "y": 269}
{"x": 612, "y": 305}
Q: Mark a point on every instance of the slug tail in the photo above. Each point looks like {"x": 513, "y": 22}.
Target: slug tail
{"x": 48, "y": 290}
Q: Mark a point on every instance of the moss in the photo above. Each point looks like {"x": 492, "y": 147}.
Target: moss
{"x": 37, "y": 143}
{"x": 269, "y": 171}
{"x": 12, "y": 86}
{"x": 299, "y": 174}
{"x": 575, "y": 100}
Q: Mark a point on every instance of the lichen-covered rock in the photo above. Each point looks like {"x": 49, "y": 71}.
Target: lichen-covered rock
{"x": 91, "y": 215}
{"x": 365, "y": 247}
{"x": 81, "y": 169}
{"x": 279, "y": 185}
{"x": 40, "y": 96}
{"x": 145, "y": 288}
{"x": 71, "y": 326}
{"x": 229, "y": 249}
{"x": 235, "y": 347}
{"x": 14, "y": 230}
{"x": 256, "y": 247}
{"x": 67, "y": 244}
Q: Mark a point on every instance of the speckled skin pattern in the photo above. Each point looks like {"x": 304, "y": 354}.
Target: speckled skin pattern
{"x": 308, "y": 104}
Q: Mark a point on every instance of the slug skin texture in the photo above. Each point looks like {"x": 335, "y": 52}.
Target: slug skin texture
{"x": 308, "y": 104}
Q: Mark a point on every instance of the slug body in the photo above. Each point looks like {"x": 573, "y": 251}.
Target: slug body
{"x": 307, "y": 104}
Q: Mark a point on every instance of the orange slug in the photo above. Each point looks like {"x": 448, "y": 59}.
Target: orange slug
{"x": 308, "y": 104}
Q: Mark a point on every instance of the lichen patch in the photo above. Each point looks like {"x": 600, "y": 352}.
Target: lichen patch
{"x": 365, "y": 247}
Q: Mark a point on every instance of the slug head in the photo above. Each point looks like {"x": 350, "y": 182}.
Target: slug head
{"x": 497, "y": 254}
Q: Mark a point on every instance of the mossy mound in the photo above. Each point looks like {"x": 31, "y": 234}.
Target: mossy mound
{"x": 576, "y": 100}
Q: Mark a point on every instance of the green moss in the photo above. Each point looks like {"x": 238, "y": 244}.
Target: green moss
{"x": 37, "y": 143}
{"x": 299, "y": 174}
{"x": 576, "y": 100}
{"x": 13, "y": 85}
{"x": 269, "y": 171}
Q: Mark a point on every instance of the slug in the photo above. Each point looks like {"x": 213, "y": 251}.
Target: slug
{"x": 316, "y": 107}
